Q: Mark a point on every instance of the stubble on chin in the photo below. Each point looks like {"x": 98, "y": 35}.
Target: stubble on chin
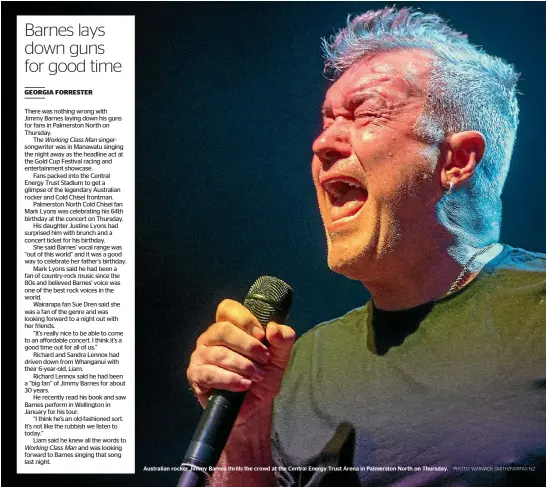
{"x": 346, "y": 257}
{"x": 361, "y": 256}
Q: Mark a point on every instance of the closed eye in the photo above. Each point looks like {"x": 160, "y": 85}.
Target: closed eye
{"x": 367, "y": 113}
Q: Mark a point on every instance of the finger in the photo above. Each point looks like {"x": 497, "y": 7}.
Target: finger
{"x": 236, "y": 313}
{"x": 269, "y": 387}
{"x": 207, "y": 377}
{"x": 229, "y": 360}
{"x": 281, "y": 338}
{"x": 228, "y": 335}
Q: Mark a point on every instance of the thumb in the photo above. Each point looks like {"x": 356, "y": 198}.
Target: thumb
{"x": 281, "y": 338}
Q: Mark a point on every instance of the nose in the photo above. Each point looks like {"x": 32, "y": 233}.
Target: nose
{"x": 333, "y": 143}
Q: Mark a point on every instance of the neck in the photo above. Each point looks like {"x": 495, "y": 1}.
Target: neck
{"x": 423, "y": 275}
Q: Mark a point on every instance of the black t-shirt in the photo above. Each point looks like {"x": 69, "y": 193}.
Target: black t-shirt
{"x": 449, "y": 393}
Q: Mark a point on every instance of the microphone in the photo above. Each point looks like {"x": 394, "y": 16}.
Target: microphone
{"x": 268, "y": 299}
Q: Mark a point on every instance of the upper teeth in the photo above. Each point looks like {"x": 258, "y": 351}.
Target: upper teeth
{"x": 335, "y": 190}
{"x": 351, "y": 182}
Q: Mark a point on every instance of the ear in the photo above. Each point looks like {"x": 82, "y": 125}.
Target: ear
{"x": 463, "y": 151}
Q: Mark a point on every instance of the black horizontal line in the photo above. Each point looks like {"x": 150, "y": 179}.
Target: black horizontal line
{"x": 35, "y": 98}
{"x": 34, "y": 86}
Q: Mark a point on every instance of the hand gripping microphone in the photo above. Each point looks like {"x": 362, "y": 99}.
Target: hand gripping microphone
{"x": 268, "y": 299}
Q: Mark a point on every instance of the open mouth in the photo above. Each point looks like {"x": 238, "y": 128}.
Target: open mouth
{"x": 346, "y": 196}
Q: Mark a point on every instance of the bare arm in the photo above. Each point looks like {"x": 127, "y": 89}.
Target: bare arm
{"x": 229, "y": 355}
{"x": 248, "y": 446}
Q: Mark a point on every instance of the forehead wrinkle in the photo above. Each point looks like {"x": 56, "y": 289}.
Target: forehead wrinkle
{"x": 366, "y": 90}
{"x": 370, "y": 82}
{"x": 391, "y": 87}
{"x": 359, "y": 96}
{"x": 413, "y": 66}
{"x": 406, "y": 78}
{"x": 382, "y": 68}
{"x": 338, "y": 96}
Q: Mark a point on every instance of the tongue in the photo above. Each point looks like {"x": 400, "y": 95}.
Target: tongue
{"x": 348, "y": 204}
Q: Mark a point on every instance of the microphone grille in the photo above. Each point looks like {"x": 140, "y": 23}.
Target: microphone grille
{"x": 269, "y": 299}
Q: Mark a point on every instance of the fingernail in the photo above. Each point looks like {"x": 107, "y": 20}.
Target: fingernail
{"x": 257, "y": 332}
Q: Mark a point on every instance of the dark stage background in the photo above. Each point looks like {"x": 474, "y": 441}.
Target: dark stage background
{"x": 227, "y": 106}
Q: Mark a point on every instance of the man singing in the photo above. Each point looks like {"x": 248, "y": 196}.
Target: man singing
{"x": 440, "y": 379}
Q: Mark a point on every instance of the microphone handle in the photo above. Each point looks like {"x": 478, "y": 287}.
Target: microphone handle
{"x": 224, "y": 406}
{"x": 191, "y": 478}
{"x": 268, "y": 300}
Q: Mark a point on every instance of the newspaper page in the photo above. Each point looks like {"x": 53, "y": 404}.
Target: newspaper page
{"x": 162, "y": 162}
